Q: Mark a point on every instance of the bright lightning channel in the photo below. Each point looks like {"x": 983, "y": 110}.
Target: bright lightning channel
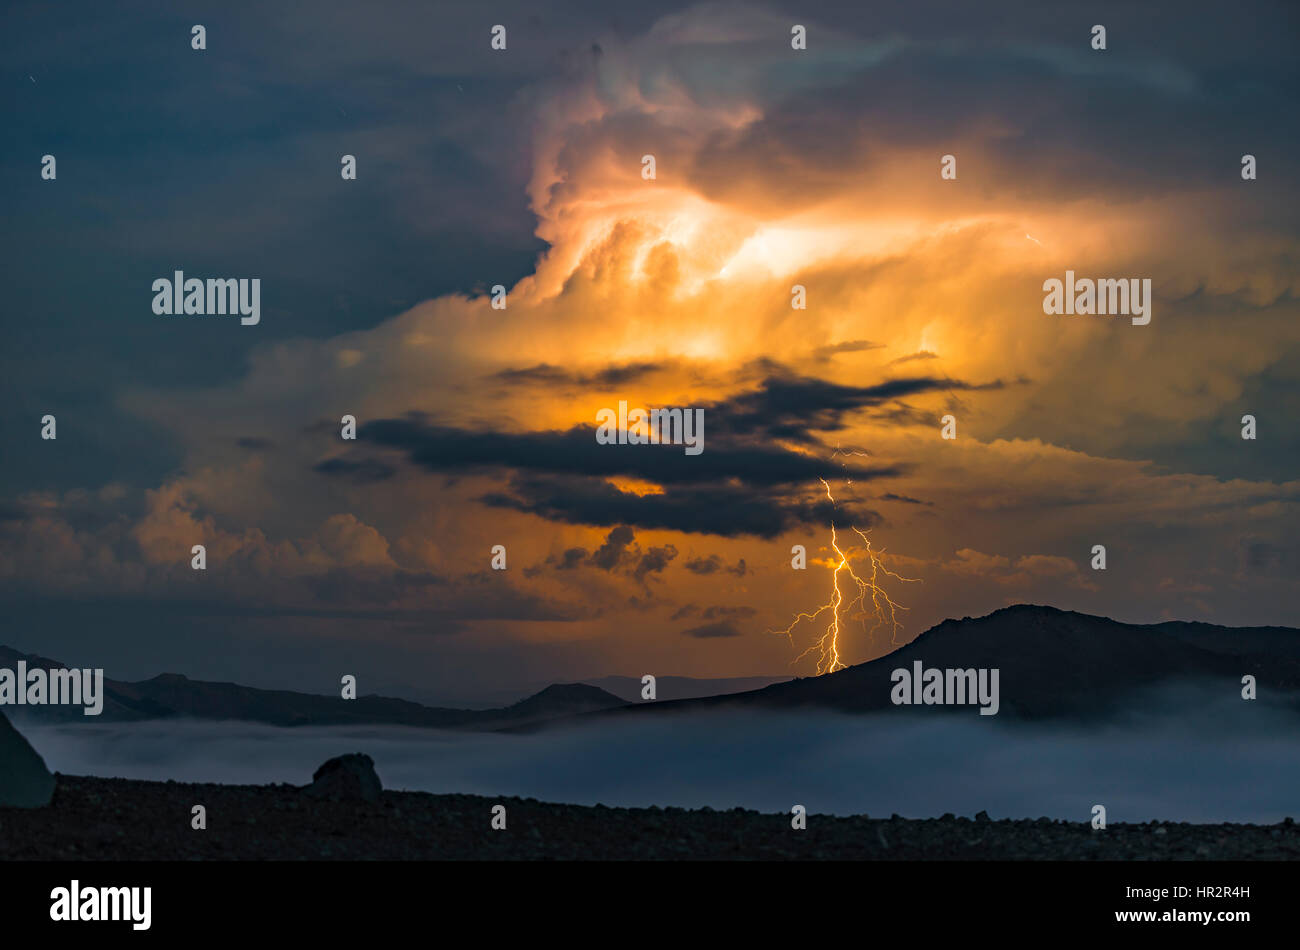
{"x": 882, "y": 609}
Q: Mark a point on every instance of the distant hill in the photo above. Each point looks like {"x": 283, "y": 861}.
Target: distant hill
{"x": 1052, "y": 663}
{"x": 173, "y": 695}
{"x": 684, "y": 687}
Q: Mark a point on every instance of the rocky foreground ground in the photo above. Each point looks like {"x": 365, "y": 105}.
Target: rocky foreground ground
{"x": 118, "y": 819}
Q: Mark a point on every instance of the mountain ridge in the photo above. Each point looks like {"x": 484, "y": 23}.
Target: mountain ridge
{"x": 174, "y": 695}
{"x": 1052, "y": 663}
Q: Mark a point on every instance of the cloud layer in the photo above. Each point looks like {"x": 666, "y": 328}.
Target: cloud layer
{"x": 775, "y": 168}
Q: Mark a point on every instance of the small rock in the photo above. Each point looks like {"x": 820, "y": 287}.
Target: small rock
{"x": 347, "y": 777}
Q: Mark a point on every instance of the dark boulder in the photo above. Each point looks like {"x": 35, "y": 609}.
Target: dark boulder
{"x": 25, "y": 782}
{"x": 347, "y": 778}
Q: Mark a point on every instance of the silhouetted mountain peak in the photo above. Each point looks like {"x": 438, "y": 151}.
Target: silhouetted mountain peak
{"x": 1051, "y": 662}
{"x": 567, "y": 697}
{"x": 8, "y": 656}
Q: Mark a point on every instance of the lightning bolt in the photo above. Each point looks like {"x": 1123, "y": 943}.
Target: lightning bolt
{"x": 847, "y": 480}
{"x": 850, "y": 601}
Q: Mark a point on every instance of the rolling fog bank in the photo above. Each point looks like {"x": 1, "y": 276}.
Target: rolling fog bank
{"x": 1185, "y": 759}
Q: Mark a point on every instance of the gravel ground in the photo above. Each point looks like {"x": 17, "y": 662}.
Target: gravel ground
{"x": 119, "y": 819}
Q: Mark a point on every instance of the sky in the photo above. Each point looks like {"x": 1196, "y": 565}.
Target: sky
{"x": 522, "y": 167}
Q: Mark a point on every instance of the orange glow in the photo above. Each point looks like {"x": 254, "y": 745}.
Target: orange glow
{"x": 635, "y": 486}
